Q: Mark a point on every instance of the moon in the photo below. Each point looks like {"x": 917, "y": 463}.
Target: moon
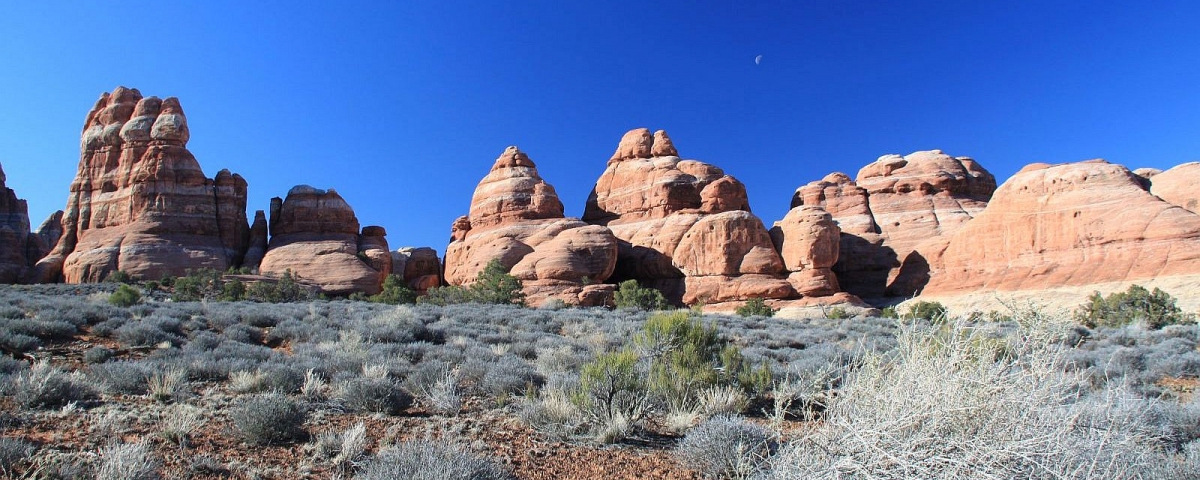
{"x": 758, "y": 60}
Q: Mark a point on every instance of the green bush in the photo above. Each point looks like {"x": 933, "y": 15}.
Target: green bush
{"x": 686, "y": 357}
{"x": 837, "y": 313}
{"x": 395, "y": 292}
{"x": 125, "y": 296}
{"x": 284, "y": 290}
{"x": 755, "y": 307}
{"x": 233, "y": 291}
{"x": 611, "y": 387}
{"x": 118, "y": 276}
{"x": 1156, "y": 308}
{"x": 922, "y": 310}
{"x": 203, "y": 284}
{"x": 630, "y": 294}
{"x": 493, "y": 286}
{"x": 889, "y": 312}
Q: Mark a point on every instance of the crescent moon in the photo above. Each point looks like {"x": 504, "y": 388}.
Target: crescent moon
{"x": 758, "y": 60}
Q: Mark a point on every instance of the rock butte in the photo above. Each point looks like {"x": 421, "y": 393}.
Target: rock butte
{"x": 19, "y": 248}
{"x": 685, "y": 228}
{"x": 517, "y": 218}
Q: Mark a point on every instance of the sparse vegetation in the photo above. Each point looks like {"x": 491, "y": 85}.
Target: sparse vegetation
{"x": 923, "y": 310}
{"x": 269, "y": 419}
{"x": 493, "y": 286}
{"x": 630, "y": 294}
{"x": 430, "y": 461}
{"x": 125, "y": 296}
{"x": 727, "y": 447}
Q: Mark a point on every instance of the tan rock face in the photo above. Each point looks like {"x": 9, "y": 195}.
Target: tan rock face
{"x": 49, "y": 232}
{"x": 684, "y": 226}
{"x": 516, "y": 217}
{"x": 896, "y": 205}
{"x": 1179, "y": 186}
{"x": 316, "y": 236}
{"x": 1052, "y": 226}
{"x": 19, "y": 248}
{"x": 140, "y": 202}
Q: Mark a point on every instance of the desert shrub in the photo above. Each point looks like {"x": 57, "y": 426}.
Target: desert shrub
{"x": 123, "y": 377}
{"x": 284, "y": 290}
{"x": 727, "y": 447}
{"x": 13, "y": 452}
{"x": 687, "y": 357}
{"x": 125, "y": 296}
{"x": 128, "y": 461}
{"x": 43, "y": 386}
{"x": 240, "y": 332}
{"x": 98, "y": 354}
{"x": 9, "y": 365}
{"x": 493, "y": 285}
{"x": 395, "y": 292}
{"x": 1156, "y": 309}
{"x": 755, "y": 307}
{"x": 119, "y": 276}
{"x": 889, "y": 312}
{"x": 942, "y": 405}
{"x": 510, "y": 376}
{"x": 375, "y": 395}
{"x": 838, "y": 313}
{"x": 554, "y": 413}
{"x": 144, "y": 333}
{"x": 923, "y": 310}
{"x": 13, "y": 342}
{"x": 612, "y": 389}
{"x": 203, "y": 284}
{"x": 269, "y": 419}
{"x": 424, "y": 460}
{"x": 630, "y": 294}
{"x": 233, "y": 291}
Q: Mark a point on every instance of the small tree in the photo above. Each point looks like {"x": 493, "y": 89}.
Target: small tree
{"x": 922, "y": 310}
{"x": 495, "y": 285}
{"x": 630, "y": 294}
{"x": 395, "y": 292}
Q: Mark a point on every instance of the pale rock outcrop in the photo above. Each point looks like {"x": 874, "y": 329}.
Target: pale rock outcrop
{"x": 684, "y": 227}
{"x": 315, "y": 235}
{"x": 517, "y": 218}
{"x": 19, "y": 248}
{"x": 1052, "y": 226}
{"x": 140, "y": 202}
{"x": 1179, "y": 186}
{"x": 894, "y": 206}
{"x": 420, "y": 267}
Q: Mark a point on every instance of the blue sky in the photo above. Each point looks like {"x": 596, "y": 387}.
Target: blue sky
{"x": 403, "y": 106}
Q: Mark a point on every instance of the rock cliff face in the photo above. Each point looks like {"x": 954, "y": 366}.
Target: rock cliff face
{"x": 1066, "y": 225}
{"x": 896, "y": 205}
{"x": 516, "y": 217}
{"x": 49, "y": 232}
{"x": 140, "y": 202}
{"x": 685, "y": 227}
{"x": 19, "y": 248}
{"x": 1179, "y": 186}
{"x": 420, "y": 267}
{"x": 316, "y": 236}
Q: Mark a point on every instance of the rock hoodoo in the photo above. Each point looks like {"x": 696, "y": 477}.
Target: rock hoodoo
{"x": 516, "y": 217}
{"x": 315, "y": 235}
{"x": 896, "y": 205}
{"x": 19, "y": 248}
{"x": 1068, "y": 225}
{"x": 685, "y": 227}
{"x": 420, "y": 267}
{"x": 140, "y": 202}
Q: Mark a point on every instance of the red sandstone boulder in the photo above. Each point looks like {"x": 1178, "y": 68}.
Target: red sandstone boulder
{"x": 896, "y": 205}
{"x": 140, "y": 202}
{"x": 517, "y": 218}
{"x": 315, "y": 235}
{"x": 1073, "y": 224}
{"x": 809, "y": 241}
{"x": 684, "y": 226}
{"x": 420, "y": 267}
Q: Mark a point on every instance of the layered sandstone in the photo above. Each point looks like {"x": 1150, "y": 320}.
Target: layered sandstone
{"x": 315, "y": 235}
{"x": 517, "y": 218}
{"x": 810, "y": 243}
{"x": 1053, "y": 226}
{"x": 1179, "y": 186}
{"x": 49, "y": 232}
{"x": 894, "y": 207}
{"x": 685, "y": 226}
{"x": 19, "y": 248}
{"x": 140, "y": 202}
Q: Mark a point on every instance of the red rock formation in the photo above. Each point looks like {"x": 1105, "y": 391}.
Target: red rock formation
{"x": 19, "y": 248}
{"x": 809, "y": 241}
{"x": 420, "y": 267}
{"x": 258, "y": 241}
{"x": 49, "y": 232}
{"x": 1061, "y": 225}
{"x": 1179, "y": 186}
{"x": 684, "y": 226}
{"x": 516, "y": 217}
{"x": 140, "y": 202}
{"x": 315, "y": 235}
{"x": 896, "y": 205}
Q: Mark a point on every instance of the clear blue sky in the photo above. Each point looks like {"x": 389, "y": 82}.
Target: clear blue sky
{"x": 403, "y": 106}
